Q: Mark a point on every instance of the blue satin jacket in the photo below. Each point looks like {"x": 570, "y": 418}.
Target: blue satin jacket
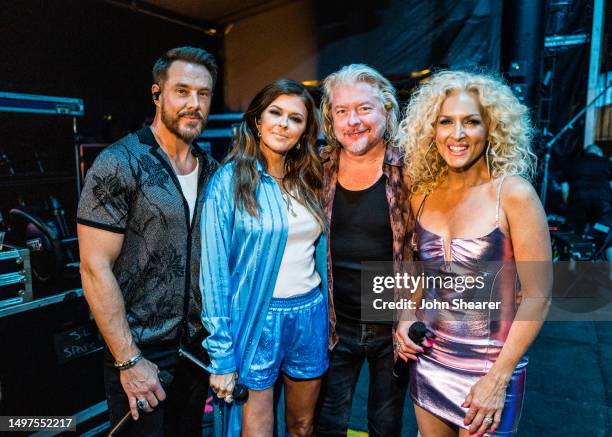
{"x": 241, "y": 255}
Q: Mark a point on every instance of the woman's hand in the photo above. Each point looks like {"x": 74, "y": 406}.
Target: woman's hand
{"x": 485, "y": 402}
{"x": 522, "y": 213}
{"x": 223, "y": 385}
{"x": 407, "y": 348}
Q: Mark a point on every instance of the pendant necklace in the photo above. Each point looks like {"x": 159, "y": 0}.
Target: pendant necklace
{"x": 286, "y": 196}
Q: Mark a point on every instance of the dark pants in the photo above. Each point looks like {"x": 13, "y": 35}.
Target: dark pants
{"x": 583, "y": 211}
{"x": 179, "y": 415}
{"x": 385, "y": 396}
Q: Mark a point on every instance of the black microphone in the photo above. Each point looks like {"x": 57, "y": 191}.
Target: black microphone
{"x": 240, "y": 393}
{"x": 417, "y": 333}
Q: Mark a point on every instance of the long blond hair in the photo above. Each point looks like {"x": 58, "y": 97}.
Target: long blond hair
{"x": 506, "y": 118}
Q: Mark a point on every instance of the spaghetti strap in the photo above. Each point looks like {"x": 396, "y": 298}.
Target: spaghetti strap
{"x": 420, "y": 210}
{"x": 498, "y": 201}
{"x": 413, "y": 239}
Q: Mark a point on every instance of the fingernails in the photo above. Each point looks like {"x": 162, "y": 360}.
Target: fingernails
{"x": 470, "y": 432}
{"x": 463, "y": 405}
{"x": 421, "y": 350}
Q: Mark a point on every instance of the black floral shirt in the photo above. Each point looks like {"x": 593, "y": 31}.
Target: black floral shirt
{"x": 132, "y": 189}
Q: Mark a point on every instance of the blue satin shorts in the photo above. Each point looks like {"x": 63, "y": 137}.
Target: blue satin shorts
{"x": 293, "y": 340}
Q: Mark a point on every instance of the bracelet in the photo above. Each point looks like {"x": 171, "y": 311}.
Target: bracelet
{"x": 129, "y": 363}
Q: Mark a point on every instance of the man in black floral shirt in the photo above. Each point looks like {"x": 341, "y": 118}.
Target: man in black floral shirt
{"x": 139, "y": 234}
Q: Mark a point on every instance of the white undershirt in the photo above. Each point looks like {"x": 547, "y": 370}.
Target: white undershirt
{"x": 297, "y": 274}
{"x": 189, "y": 185}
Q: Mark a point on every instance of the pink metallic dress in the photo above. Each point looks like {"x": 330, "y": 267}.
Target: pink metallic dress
{"x": 468, "y": 341}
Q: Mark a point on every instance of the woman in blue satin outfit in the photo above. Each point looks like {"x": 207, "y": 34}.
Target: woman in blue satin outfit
{"x": 263, "y": 265}
{"x": 467, "y": 143}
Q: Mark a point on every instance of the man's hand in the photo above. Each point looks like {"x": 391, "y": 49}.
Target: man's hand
{"x": 142, "y": 383}
{"x": 223, "y": 385}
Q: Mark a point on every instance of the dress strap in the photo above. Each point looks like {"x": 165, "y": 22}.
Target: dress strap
{"x": 413, "y": 239}
{"x": 498, "y": 200}
{"x": 420, "y": 210}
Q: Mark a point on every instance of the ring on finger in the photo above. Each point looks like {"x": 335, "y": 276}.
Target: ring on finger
{"x": 489, "y": 420}
{"x": 142, "y": 404}
{"x": 229, "y": 399}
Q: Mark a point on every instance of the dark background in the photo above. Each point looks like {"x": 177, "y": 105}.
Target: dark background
{"x": 103, "y": 53}
{"x": 86, "y": 49}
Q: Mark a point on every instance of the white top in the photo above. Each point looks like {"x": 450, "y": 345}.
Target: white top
{"x": 297, "y": 274}
{"x": 189, "y": 185}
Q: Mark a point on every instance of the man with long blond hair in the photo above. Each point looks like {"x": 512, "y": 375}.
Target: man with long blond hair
{"x": 365, "y": 199}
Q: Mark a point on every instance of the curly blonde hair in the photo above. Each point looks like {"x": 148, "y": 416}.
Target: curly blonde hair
{"x": 350, "y": 74}
{"x": 506, "y": 118}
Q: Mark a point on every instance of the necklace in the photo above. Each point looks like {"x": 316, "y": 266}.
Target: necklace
{"x": 287, "y": 199}
{"x": 286, "y": 196}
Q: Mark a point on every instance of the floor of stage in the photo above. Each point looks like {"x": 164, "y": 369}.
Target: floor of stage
{"x": 569, "y": 385}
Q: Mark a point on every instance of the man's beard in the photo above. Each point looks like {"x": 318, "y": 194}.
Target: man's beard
{"x": 359, "y": 148}
{"x": 364, "y": 145}
{"x": 187, "y": 134}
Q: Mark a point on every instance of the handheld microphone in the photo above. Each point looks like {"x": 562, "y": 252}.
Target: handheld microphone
{"x": 417, "y": 333}
{"x": 239, "y": 394}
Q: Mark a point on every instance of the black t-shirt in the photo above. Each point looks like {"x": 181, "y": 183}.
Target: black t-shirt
{"x": 360, "y": 231}
{"x": 589, "y": 178}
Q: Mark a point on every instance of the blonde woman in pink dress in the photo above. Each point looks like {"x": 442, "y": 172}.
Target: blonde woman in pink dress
{"x": 466, "y": 139}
